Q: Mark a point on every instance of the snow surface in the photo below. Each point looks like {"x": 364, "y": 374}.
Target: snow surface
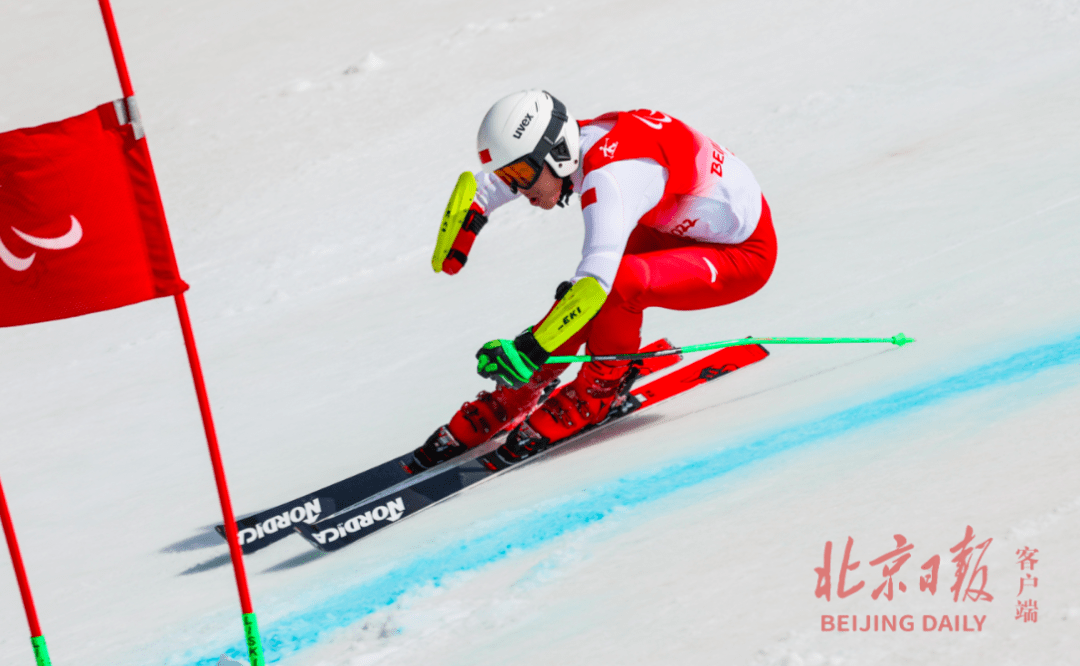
{"x": 922, "y": 160}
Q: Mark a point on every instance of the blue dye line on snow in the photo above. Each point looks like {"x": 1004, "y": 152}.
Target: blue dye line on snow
{"x": 291, "y": 634}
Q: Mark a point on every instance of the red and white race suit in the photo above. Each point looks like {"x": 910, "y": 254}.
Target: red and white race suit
{"x": 672, "y": 220}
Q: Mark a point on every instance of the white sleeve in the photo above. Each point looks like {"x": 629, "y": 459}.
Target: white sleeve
{"x": 492, "y": 192}
{"x": 624, "y": 190}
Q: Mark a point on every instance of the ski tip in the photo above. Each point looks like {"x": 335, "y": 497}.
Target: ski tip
{"x": 900, "y": 339}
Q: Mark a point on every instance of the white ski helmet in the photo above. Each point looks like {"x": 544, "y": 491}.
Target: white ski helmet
{"x": 523, "y": 131}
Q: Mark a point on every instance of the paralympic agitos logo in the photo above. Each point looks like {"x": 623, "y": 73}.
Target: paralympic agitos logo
{"x": 66, "y": 240}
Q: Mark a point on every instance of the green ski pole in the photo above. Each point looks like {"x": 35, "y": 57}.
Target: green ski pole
{"x": 899, "y": 340}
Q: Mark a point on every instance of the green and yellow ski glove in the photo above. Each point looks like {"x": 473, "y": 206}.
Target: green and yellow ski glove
{"x": 511, "y": 362}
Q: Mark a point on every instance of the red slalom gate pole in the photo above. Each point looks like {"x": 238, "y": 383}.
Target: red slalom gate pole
{"x": 37, "y": 641}
{"x": 251, "y": 626}
{"x": 117, "y": 52}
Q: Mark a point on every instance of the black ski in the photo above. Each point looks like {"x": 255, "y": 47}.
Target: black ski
{"x": 337, "y": 531}
{"x": 261, "y": 529}
{"x": 266, "y": 527}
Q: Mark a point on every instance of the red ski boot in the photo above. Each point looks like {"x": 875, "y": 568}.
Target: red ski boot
{"x": 584, "y": 402}
{"x": 480, "y": 420}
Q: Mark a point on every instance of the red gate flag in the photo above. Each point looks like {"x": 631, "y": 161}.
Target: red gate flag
{"x": 81, "y": 226}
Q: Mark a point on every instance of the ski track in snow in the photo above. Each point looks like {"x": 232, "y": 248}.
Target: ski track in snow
{"x": 523, "y": 531}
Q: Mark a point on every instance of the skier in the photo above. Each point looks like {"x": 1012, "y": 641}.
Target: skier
{"x": 672, "y": 220}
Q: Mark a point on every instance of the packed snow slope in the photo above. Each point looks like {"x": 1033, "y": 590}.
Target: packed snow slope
{"x": 922, "y": 161}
